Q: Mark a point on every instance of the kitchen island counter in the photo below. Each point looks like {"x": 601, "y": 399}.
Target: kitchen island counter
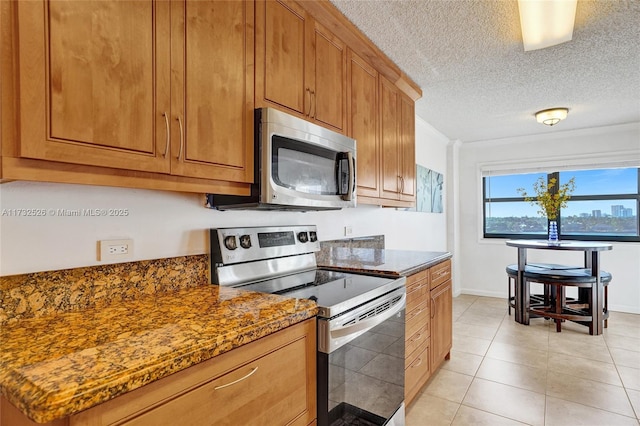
{"x": 380, "y": 261}
{"x": 56, "y": 365}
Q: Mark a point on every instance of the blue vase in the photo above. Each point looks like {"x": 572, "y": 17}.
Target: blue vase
{"x": 553, "y": 232}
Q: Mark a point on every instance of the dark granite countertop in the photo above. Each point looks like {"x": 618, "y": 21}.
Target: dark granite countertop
{"x": 383, "y": 261}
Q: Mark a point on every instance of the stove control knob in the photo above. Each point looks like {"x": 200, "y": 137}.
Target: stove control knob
{"x": 230, "y": 242}
{"x": 303, "y": 237}
{"x": 313, "y": 237}
{"x": 245, "y": 241}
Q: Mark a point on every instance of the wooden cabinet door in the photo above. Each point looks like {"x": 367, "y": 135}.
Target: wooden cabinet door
{"x": 441, "y": 323}
{"x": 407, "y": 136}
{"x": 362, "y": 107}
{"x": 281, "y": 33}
{"x": 327, "y": 78}
{"x": 94, "y": 82}
{"x": 397, "y": 124}
{"x": 212, "y": 89}
{"x": 389, "y": 110}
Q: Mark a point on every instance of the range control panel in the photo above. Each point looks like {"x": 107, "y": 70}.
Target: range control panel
{"x": 236, "y": 245}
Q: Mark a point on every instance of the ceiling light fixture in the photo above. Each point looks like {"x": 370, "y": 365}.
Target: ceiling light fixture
{"x": 546, "y": 22}
{"x": 551, "y": 116}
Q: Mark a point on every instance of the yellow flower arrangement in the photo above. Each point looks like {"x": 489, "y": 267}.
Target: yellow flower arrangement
{"x": 548, "y": 201}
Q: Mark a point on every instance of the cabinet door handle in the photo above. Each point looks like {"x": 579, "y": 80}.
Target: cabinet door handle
{"x": 303, "y": 109}
{"x": 237, "y": 381}
{"x": 315, "y": 107}
{"x": 433, "y": 309}
{"x": 402, "y": 184}
{"x": 399, "y": 183}
{"x": 181, "y": 138}
{"x": 166, "y": 124}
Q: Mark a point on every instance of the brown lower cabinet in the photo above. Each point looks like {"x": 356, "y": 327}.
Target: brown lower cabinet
{"x": 271, "y": 381}
{"x": 428, "y": 325}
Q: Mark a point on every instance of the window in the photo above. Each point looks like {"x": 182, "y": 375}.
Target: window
{"x": 604, "y": 206}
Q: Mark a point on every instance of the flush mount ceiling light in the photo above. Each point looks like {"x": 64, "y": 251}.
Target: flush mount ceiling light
{"x": 546, "y": 22}
{"x": 551, "y": 116}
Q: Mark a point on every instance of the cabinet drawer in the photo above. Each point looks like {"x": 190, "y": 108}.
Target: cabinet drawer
{"x": 417, "y": 372}
{"x": 417, "y": 318}
{"x": 412, "y": 280}
{"x": 440, "y": 273}
{"x": 418, "y": 292}
{"x": 277, "y": 383}
{"x": 281, "y": 391}
{"x": 414, "y": 341}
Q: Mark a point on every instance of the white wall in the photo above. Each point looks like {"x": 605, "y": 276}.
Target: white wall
{"x": 481, "y": 262}
{"x": 167, "y": 224}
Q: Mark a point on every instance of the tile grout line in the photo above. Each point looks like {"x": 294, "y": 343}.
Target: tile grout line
{"x": 626, "y": 391}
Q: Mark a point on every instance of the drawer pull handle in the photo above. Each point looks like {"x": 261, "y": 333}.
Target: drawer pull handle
{"x": 418, "y": 364}
{"x": 236, "y": 381}
{"x": 418, "y": 337}
{"x": 415, "y": 314}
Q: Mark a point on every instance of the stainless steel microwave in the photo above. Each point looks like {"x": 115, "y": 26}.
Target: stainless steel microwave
{"x": 298, "y": 166}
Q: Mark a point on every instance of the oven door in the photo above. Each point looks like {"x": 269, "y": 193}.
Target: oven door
{"x": 361, "y": 364}
{"x": 305, "y": 164}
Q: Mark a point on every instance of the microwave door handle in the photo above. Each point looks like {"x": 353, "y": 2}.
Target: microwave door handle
{"x": 352, "y": 177}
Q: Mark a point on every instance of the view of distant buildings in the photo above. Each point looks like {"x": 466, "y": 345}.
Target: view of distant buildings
{"x": 621, "y": 221}
{"x": 616, "y": 211}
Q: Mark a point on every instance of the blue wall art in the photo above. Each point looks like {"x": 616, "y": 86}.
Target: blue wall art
{"x": 429, "y": 190}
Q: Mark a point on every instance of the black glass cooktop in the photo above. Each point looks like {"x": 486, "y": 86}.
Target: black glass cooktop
{"x": 334, "y": 292}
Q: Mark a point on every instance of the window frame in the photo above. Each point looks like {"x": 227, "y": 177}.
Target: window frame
{"x": 561, "y": 236}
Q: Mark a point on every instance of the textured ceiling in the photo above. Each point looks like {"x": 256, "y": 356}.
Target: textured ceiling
{"x": 478, "y": 83}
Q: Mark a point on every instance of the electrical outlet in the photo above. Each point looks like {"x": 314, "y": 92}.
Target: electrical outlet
{"x": 348, "y": 230}
{"x": 115, "y": 249}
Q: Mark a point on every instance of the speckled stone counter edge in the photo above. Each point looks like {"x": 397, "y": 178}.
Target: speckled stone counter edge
{"x": 376, "y": 261}
{"x": 46, "y": 295}
{"x": 50, "y": 398}
{"x": 434, "y": 261}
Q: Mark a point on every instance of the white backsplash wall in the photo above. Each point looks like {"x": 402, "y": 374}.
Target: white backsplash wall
{"x": 167, "y": 224}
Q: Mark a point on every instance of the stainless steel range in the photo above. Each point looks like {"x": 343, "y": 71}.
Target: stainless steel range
{"x": 360, "y": 318}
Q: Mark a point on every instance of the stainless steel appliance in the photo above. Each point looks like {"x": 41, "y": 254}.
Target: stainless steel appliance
{"x": 298, "y": 166}
{"x": 360, "y": 320}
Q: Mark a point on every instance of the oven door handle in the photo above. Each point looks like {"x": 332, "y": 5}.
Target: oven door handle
{"x": 369, "y": 323}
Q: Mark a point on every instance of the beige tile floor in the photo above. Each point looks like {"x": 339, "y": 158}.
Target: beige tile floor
{"x": 504, "y": 373}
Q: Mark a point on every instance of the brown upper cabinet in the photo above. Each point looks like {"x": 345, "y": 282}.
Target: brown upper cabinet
{"x": 362, "y": 107}
{"x": 161, "y": 94}
{"x": 152, "y": 86}
{"x": 397, "y": 131}
{"x": 408, "y": 149}
{"x": 301, "y": 65}
{"x": 94, "y": 83}
{"x": 212, "y": 46}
